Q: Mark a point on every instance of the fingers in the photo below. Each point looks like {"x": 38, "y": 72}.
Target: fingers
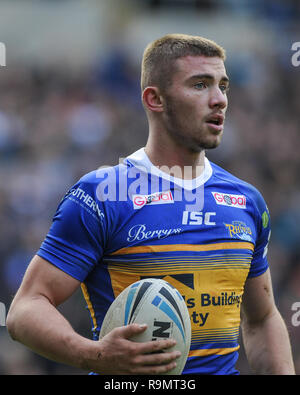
{"x": 158, "y": 359}
{"x": 157, "y": 346}
{"x": 154, "y": 359}
{"x": 131, "y": 330}
{"x": 150, "y": 347}
{"x": 153, "y": 369}
{"x": 147, "y": 347}
{"x": 153, "y": 363}
{"x": 151, "y": 357}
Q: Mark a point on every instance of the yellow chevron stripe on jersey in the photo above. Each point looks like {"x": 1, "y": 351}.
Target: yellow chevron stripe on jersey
{"x": 215, "y": 335}
{"x": 176, "y": 264}
{"x": 212, "y": 351}
{"x": 89, "y": 304}
{"x": 157, "y": 271}
{"x": 240, "y": 245}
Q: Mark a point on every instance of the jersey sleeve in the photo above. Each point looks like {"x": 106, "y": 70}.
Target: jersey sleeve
{"x": 76, "y": 238}
{"x": 259, "y": 262}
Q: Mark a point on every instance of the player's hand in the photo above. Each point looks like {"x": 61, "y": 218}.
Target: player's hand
{"x": 117, "y": 354}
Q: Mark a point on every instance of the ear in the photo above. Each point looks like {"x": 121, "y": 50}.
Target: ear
{"x": 152, "y": 99}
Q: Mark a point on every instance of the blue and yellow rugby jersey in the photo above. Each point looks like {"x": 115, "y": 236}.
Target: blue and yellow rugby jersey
{"x": 121, "y": 224}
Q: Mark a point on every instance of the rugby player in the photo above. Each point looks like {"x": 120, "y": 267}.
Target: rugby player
{"x": 212, "y": 248}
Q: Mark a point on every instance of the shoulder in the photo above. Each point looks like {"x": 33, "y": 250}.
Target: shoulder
{"x": 105, "y": 176}
{"x": 94, "y": 176}
{"x": 111, "y": 172}
{"x": 107, "y": 185}
{"x": 248, "y": 190}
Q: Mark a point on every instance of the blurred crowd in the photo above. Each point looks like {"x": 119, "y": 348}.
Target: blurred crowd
{"x": 56, "y": 125}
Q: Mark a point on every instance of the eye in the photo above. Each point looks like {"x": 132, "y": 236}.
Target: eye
{"x": 224, "y": 88}
{"x": 200, "y": 85}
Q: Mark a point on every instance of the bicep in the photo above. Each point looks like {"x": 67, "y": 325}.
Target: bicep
{"x": 258, "y": 300}
{"x": 43, "y": 279}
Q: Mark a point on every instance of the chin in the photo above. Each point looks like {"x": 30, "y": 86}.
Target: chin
{"x": 202, "y": 146}
{"x": 212, "y": 143}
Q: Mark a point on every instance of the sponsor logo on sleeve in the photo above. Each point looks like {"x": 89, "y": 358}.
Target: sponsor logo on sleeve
{"x": 265, "y": 219}
{"x": 86, "y": 201}
{"x": 229, "y": 200}
{"x": 239, "y": 230}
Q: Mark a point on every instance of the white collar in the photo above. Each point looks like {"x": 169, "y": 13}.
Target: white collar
{"x": 140, "y": 160}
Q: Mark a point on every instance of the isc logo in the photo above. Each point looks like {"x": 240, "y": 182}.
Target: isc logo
{"x": 197, "y": 218}
{"x": 162, "y": 330}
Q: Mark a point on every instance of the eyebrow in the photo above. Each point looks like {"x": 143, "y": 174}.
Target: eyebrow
{"x": 207, "y": 77}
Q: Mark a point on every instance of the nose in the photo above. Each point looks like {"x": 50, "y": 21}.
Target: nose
{"x": 218, "y": 99}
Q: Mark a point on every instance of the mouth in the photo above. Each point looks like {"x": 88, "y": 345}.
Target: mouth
{"x": 216, "y": 122}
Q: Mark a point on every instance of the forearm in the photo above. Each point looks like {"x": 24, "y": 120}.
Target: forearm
{"x": 34, "y": 320}
{"x": 267, "y": 345}
{"x": 37, "y": 324}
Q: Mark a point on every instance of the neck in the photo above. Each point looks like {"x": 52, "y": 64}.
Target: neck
{"x": 174, "y": 159}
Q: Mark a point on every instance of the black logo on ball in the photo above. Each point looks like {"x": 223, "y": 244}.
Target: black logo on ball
{"x": 162, "y": 330}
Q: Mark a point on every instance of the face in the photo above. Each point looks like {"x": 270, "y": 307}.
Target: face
{"x": 196, "y": 102}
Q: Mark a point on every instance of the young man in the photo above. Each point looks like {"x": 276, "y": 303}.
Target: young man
{"x": 166, "y": 212}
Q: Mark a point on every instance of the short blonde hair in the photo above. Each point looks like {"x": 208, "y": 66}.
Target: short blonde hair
{"x": 158, "y": 64}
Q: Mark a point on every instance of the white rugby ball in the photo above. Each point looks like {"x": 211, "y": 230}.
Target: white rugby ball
{"x": 158, "y": 304}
